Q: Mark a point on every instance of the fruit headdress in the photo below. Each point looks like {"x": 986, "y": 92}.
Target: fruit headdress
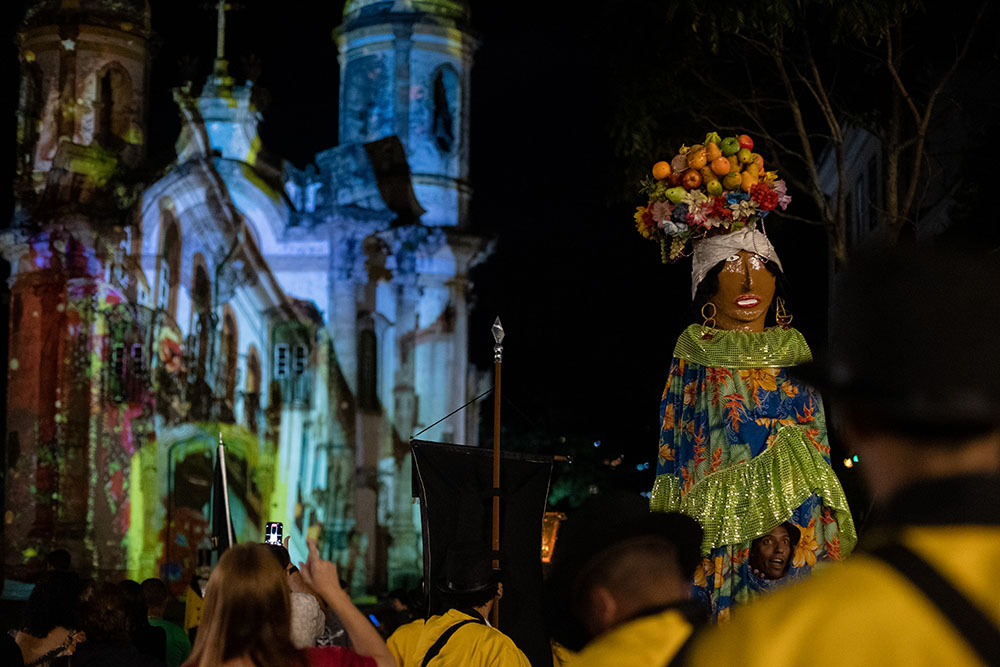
{"x": 716, "y": 187}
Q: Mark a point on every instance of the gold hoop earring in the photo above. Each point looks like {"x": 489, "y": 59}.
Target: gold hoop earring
{"x": 781, "y": 315}
{"x": 708, "y": 320}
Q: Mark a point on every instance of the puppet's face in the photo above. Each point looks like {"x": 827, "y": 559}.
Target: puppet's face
{"x": 746, "y": 289}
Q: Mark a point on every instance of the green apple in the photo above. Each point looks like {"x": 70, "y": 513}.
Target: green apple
{"x": 730, "y": 146}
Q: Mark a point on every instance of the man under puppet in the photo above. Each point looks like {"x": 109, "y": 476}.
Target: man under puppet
{"x": 743, "y": 446}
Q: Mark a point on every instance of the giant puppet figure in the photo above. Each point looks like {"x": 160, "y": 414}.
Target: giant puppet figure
{"x": 743, "y": 446}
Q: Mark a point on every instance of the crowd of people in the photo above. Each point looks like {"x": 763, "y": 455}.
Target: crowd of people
{"x": 71, "y": 621}
{"x": 912, "y": 374}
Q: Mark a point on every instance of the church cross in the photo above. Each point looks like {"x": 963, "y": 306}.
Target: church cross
{"x": 220, "y": 30}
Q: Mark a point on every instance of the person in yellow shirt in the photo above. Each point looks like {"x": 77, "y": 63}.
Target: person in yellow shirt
{"x": 620, "y": 586}
{"x": 462, "y": 635}
{"x": 194, "y": 595}
{"x": 914, "y": 371}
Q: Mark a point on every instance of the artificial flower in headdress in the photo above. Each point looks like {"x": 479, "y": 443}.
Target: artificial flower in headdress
{"x": 715, "y": 188}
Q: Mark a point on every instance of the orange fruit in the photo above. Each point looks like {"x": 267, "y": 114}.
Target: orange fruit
{"x": 713, "y": 151}
{"x": 721, "y": 166}
{"x": 661, "y": 170}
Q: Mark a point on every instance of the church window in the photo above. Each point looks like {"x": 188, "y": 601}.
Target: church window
{"x": 445, "y": 110}
{"x": 138, "y": 360}
{"x": 106, "y": 109}
{"x": 230, "y": 339}
{"x": 251, "y": 401}
{"x": 170, "y": 266}
{"x": 300, "y": 360}
{"x": 30, "y": 117}
{"x": 202, "y": 312}
{"x": 113, "y": 95}
{"x": 281, "y": 360}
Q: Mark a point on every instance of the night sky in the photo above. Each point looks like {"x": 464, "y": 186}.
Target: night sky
{"x": 590, "y": 313}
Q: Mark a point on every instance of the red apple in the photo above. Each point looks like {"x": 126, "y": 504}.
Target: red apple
{"x": 691, "y": 179}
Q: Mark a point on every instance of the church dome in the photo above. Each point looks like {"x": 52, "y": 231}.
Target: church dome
{"x": 127, "y": 15}
{"x": 448, "y": 10}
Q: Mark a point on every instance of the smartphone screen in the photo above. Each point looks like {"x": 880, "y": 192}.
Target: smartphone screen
{"x": 272, "y": 533}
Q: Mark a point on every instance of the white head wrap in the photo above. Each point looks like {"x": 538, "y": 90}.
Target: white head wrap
{"x": 711, "y": 250}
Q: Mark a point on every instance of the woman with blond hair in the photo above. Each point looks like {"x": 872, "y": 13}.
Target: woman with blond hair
{"x": 246, "y": 620}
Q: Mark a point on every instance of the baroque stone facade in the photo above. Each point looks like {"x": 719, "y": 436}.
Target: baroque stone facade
{"x": 315, "y": 318}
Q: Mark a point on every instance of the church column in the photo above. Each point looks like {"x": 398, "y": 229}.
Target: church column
{"x": 345, "y": 294}
{"x": 459, "y": 381}
{"x": 404, "y": 559}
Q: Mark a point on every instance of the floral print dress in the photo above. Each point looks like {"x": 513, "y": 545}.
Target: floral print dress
{"x": 743, "y": 448}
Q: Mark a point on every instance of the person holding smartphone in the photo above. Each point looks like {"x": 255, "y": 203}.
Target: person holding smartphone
{"x": 246, "y": 620}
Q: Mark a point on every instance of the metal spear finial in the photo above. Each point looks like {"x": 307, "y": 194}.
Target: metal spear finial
{"x": 498, "y": 337}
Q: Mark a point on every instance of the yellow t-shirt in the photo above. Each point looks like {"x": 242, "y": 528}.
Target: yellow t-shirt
{"x": 193, "y": 606}
{"x": 650, "y": 640}
{"x": 472, "y": 645}
{"x": 863, "y": 612}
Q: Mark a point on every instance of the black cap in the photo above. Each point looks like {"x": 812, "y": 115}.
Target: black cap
{"x": 468, "y": 568}
{"x": 913, "y": 340}
{"x": 603, "y": 522}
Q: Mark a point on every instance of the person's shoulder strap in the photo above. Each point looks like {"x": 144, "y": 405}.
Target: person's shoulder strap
{"x": 443, "y": 639}
{"x": 972, "y": 624}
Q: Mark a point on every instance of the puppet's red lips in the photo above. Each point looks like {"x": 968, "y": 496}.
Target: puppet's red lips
{"x": 748, "y": 301}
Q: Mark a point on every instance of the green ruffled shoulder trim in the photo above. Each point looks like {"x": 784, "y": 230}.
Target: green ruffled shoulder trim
{"x": 772, "y": 348}
{"x": 746, "y": 500}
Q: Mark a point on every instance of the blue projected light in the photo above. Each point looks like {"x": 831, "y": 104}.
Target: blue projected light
{"x": 597, "y": 443}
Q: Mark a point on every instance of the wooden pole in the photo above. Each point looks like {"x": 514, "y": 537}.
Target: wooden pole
{"x": 498, "y": 334}
{"x": 496, "y": 462}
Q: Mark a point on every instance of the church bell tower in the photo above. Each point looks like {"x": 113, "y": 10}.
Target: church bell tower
{"x": 404, "y": 70}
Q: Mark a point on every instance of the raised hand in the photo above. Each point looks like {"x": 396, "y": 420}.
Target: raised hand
{"x": 320, "y": 575}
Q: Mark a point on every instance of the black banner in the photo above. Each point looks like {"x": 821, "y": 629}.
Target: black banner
{"x": 220, "y": 510}
{"x": 455, "y": 487}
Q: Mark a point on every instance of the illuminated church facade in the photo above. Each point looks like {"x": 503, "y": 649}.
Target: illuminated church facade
{"x": 315, "y": 318}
